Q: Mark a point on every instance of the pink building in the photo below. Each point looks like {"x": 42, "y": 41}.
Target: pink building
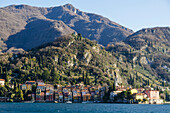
{"x": 152, "y": 94}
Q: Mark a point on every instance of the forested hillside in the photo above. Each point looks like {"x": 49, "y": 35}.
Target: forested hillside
{"x": 149, "y": 48}
{"x": 73, "y": 59}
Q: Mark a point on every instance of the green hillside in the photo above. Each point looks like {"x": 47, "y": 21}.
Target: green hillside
{"x": 149, "y": 49}
{"x": 73, "y": 59}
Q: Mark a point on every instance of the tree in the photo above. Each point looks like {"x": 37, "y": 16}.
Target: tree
{"x": 145, "y": 99}
{"x": 6, "y": 77}
{"x": 106, "y": 94}
{"x": 139, "y": 100}
{"x": 2, "y": 91}
{"x": 79, "y": 36}
{"x": 114, "y": 87}
{"x": 21, "y": 95}
{"x": 83, "y": 76}
{"x": 95, "y": 78}
{"x": 15, "y": 86}
{"x": 1, "y": 70}
{"x": 129, "y": 95}
{"x": 148, "y": 82}
{"x": 46, "y": 75}
{"x": 34, "y": 88}
{"x": 122, "y": 95}
{"x": 167, "y": 95}
{"x": 55, "y": 75}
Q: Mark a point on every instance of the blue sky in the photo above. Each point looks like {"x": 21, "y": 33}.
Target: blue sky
{"x": 134, "y": 14}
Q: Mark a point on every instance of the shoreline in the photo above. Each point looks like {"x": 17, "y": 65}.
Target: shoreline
{"x": 166, "y": 103}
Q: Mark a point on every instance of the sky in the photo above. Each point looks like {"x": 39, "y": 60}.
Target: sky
{"x": 133, "y": 14}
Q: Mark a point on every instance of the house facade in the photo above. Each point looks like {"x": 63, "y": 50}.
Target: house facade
{"x": 2, "y": 82}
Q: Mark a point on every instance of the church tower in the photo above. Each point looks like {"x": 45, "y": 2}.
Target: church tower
{"x": 116, "y": 80}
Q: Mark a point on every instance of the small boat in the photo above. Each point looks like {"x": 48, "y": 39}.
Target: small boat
{"x": 68, "y": 102}
{"x": 87, "y": 102}
{"x": 28, "y": 101}
{"x": 55, "y": 101}
{"x": 84, "y": 102}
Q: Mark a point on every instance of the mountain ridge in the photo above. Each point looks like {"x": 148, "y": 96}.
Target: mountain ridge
{"x": 149, "y": 48}
{"x": 95, "y": 27}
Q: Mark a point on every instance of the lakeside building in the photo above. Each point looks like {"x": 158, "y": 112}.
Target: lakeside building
{"x": 41, "y": 86}
{"x": 2, "y": 82}
{"x": 153, "y": 97}
{"x": 86, "y": 97}
{"x": 61, "y": 97}
{"x": 23, "y": 87}
{"x": 4, "y": 99}
{"x": 76, "y": 95}
{"x": 39, "y": 96}
{"x": 140, "y": 90}
{"x": 133, "y": 91}
{"x": 138, "y": 96}
{"x": 86, "y": 93}
{"x": 49, "y": 93}
{"x": 30, "y": 82}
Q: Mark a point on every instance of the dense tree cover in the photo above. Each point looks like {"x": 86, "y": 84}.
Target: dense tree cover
{"x": 150, "y": 49}
{"x": 124, "y": 95}
{"x": 70, "y": 60}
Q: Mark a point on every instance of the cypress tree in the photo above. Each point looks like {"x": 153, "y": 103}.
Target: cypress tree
{"x": 1, "y": 70}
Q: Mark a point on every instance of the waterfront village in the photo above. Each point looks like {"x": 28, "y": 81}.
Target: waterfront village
{"x": 38, "y": 91}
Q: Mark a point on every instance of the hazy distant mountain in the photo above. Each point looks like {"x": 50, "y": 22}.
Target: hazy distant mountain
{"x": 24, "y": 26}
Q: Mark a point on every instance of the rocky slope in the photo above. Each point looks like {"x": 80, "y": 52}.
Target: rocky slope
{"x": 73, "y": 59}
{"x": 149, "y": 48}
{"x": 92, "y": 26}
{"x": 151, "y": 36}
{"x": 24, "y": 26}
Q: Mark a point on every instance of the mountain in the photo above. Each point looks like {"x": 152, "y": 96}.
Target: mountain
{"x": 55, "y": 53}
{"x": 26, "y": 27}
{"x": 73, "y": 59}
{"x": 38, "y": 32}
{"x": 149, "y": 48}
{"x": 92, "y": 26}
{"x": 158, "y": 35}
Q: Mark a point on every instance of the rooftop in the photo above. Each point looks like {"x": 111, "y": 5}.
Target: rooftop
{"x": 2, "y": 80}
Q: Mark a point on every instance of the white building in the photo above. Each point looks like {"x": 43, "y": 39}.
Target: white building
{"x": 2, "y": 82}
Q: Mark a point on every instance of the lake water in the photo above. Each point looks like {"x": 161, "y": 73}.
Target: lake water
{"x": 81, "y": 108}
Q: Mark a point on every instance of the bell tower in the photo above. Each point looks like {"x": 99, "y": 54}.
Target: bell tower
{"x": 116, "y": 80}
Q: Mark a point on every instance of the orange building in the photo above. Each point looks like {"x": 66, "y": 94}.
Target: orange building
{"x": 86, "y": 97}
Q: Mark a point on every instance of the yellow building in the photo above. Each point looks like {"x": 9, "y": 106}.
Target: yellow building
{"x": 29, "y": 87}
{"x": 133, "y": 91}
{"x": 138, "y": 96}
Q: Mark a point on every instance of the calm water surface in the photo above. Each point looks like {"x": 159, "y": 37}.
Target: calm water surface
{"x": 81, "y": 108}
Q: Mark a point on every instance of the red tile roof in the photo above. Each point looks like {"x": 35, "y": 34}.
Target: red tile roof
{"x": 40, "y": 85}
{"x": 30, "y": 81}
